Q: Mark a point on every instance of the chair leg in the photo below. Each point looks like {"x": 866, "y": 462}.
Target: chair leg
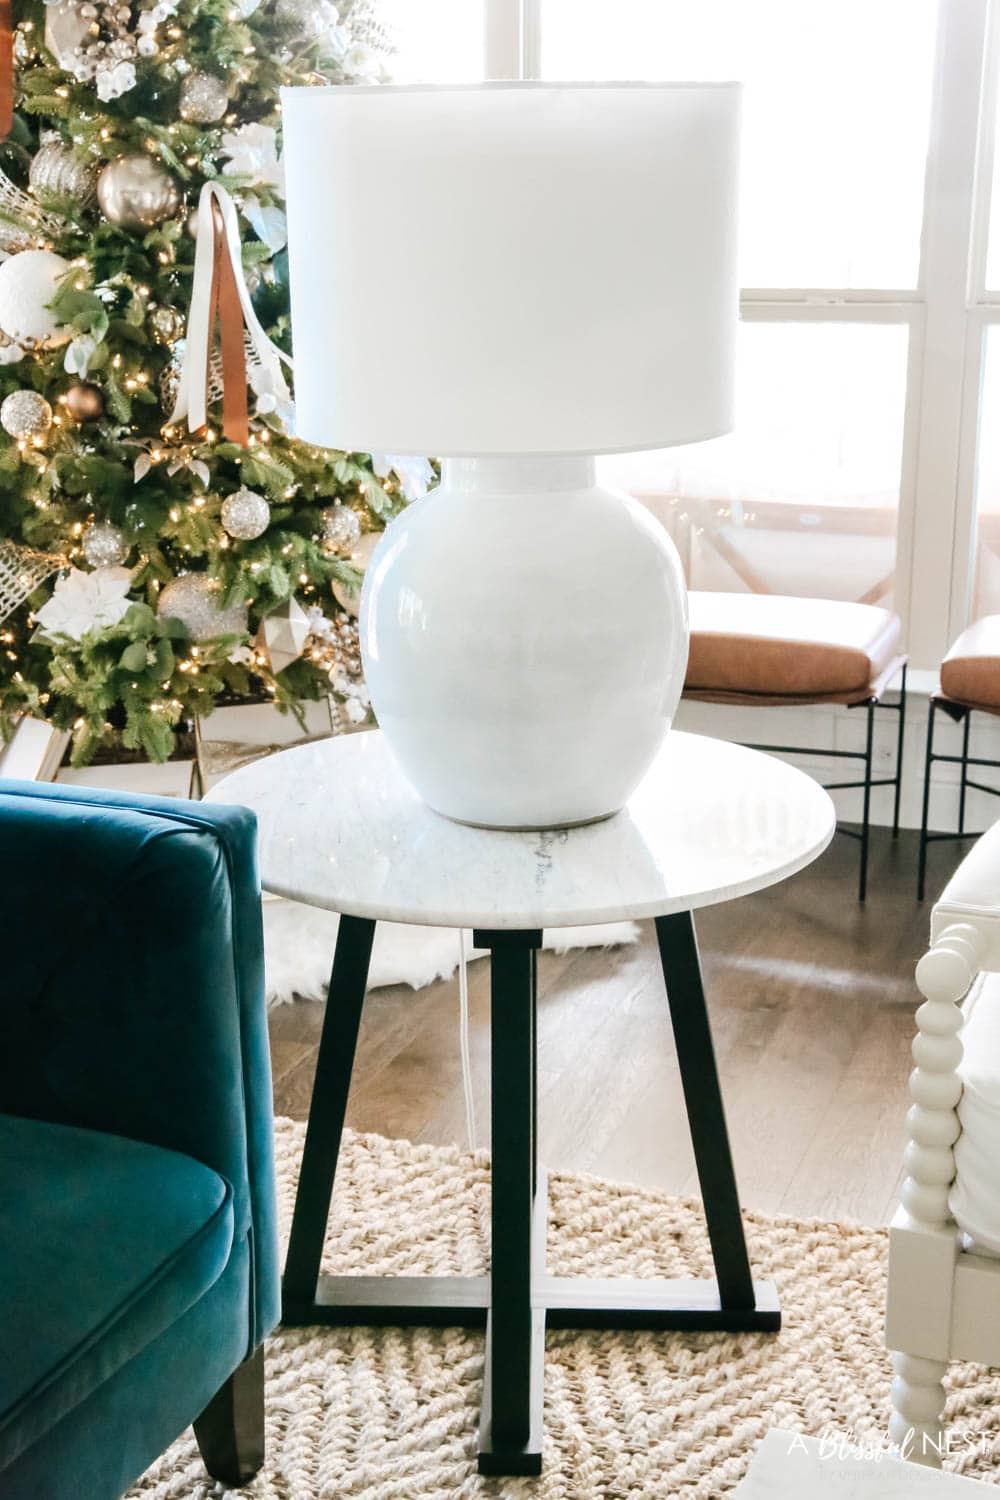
{"x": 866, "y": 813}
{"x": 964, "y": 784}
{"x": 230, "y": 1431}
{"x": 928, "y": 761}
{"x": 899, "y": 754}
{"x": 916, "y": 1424}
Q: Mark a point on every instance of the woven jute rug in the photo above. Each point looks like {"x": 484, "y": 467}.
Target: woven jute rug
{"x": 367, "y": 1414}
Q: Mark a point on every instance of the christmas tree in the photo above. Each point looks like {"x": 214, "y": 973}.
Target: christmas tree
{"x": 147, "y": 569}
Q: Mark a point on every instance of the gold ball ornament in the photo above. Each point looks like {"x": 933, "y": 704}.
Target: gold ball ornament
{"x": 166, "y": 324}
{"x": 347, "y": 598}
{"x": 136, "y": 192}
{"x": 85, "y": 403}
{"x": 25, "y": 414}
{"x": 204, "y": 99}
{"x": 28, "y": 282}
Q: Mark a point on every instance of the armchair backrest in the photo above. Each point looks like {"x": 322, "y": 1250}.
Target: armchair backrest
{"x": 132, "y": 993}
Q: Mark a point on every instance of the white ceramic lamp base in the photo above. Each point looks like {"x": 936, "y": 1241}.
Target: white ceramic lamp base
{"x": 524, "y": 635}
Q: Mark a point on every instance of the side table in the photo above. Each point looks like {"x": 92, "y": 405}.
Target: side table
{"x": 340, "y": 828}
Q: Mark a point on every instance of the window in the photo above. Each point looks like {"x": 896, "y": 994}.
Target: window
{"x": 836, "y": 114}
{"x": 807, "y": 486}
{"x": 435, "y": 41}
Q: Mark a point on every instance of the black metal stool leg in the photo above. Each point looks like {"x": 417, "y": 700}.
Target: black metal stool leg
{"x": 511, "y": 1423}
{"x": 866, "y": 809}
{"x": 899, "y": 754}
{"x": 928, "y": 761}
{"x": 706, "y": 1117}
{"x": 334, "y": 1064}
{"x": 964, "y": 784}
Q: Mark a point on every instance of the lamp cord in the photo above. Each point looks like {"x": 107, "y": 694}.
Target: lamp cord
{"x": 463, "y": 1041}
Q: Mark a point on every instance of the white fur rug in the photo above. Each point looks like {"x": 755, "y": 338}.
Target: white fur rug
{"x": 299, "y": 942}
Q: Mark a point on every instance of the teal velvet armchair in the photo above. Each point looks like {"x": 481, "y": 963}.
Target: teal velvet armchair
{"x": 138, "y": 1254}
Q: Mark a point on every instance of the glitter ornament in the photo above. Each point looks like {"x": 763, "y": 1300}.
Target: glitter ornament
{"x": 57, "y": 171}
{"x": 25, "y": 414}
{"x": 341, "y": 528}
{"x": 135, "y": 192}
{"x": 28, "y": 283}
{"x": 246, "y": 515}
{"x": 85, "y": 403}
{"x": 103, "y": 545}
{"x": 204, "y": 99}
{"x": 193, "y": 598}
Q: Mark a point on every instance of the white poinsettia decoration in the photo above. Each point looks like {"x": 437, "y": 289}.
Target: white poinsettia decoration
{"x": 252, "y": 152}
{"x": 79, "y": 353}
{"x": 414, "y": 474}
{"x": 82, "y": 602}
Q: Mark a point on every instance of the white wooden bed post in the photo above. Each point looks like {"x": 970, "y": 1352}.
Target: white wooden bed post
{"x": 923, "y": 1240}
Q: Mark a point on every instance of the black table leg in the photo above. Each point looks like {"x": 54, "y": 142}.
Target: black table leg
{"x": 511, "y": 1422}
{"x": 518, "y": 1300}
{"x": 327, "y": 1110}
{"x": 706, "y": 1116}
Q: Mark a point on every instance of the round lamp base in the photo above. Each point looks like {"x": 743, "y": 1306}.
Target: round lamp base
{"x": 524, "y": 636}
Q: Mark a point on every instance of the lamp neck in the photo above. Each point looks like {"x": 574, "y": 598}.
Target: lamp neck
{"x": 518, "y": 475}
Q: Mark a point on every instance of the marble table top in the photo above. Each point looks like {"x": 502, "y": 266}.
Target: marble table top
{"x": 341, "y": 828}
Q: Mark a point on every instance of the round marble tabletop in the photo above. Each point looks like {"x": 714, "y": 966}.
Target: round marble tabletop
{"x": 340, "y": 827}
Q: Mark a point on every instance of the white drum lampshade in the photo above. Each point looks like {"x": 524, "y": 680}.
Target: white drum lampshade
{"x": 514, "y": 277}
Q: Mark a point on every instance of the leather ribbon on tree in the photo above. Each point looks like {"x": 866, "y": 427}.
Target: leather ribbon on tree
{"x": 6, "y": 70}
{"x": 220, "y": 297}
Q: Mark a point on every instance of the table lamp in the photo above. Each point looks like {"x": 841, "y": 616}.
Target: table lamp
{"x": 514, "y": 277}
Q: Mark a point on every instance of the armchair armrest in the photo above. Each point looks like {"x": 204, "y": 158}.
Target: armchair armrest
{"x": 132, "y": 999}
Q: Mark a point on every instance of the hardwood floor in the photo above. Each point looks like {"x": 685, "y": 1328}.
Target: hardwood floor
{"x": 812, "y": 1002}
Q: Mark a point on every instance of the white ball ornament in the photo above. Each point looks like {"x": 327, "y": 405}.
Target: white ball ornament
{"x": 246, "y": 515}
{"x": 25, "y": 414}
{"x": 28, "y": 283}
{"x": 193, "y": 598}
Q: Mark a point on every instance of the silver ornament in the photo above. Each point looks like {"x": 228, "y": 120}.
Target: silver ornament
{"x": 60, "y": 172}
{"x": 246, "y": 515}
{"x": 25, "y": 414}
{"x": 282, "y": 635}
{"x": 306, "y": 19}
{"x": 103, "y": 545}
{"x": 136, "y": 192}
{"x": 204, "y": 99}
{"x": 193, "y": 598}
{"x": 341, "y": 528}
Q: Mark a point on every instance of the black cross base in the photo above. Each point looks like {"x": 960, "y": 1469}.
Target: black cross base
{"x": 510, "y": 1432}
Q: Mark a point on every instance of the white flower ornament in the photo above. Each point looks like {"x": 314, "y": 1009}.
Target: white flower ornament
{"x": 82, "y": 602}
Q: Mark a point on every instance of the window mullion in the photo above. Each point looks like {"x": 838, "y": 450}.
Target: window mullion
{"x": 928, "y": 513}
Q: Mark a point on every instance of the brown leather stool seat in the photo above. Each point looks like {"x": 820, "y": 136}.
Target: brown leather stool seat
{"x": 773, "y": 649}
{"x": 970, "y": 682}
{"x": 970, "y": 673}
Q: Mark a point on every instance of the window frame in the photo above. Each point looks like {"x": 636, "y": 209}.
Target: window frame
{"x": 947, "y": 314}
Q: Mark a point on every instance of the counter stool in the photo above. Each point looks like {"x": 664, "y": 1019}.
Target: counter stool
{"x": 772, "y": 651}
{"x": 970, "y": 683}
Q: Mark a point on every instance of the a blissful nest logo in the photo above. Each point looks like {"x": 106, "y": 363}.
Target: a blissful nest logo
{"x": 839, "y": 1446}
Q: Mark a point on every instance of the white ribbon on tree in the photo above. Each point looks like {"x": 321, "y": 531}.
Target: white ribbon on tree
{"x": 220, "y": 291}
